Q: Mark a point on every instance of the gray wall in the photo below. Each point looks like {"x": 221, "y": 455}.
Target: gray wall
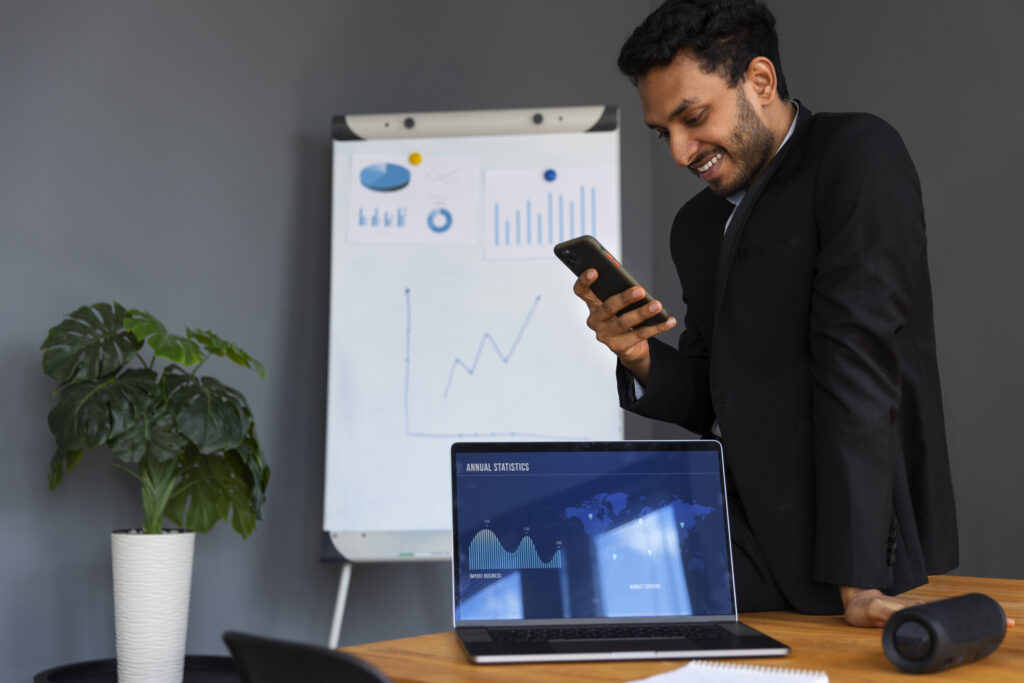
{"x": 176, "y": 157}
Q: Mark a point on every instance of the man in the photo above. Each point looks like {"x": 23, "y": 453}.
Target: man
{"x": 809, "y": 345}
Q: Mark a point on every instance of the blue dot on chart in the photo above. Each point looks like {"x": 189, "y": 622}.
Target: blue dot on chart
{"x": 550, "y": 175}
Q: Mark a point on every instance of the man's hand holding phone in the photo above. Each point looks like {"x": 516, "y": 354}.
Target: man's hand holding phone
{"x": 622, "y": 315}
{"x": 624, "y": 334}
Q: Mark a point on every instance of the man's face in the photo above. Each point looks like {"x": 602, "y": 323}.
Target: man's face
{"x": 710, "y": 128}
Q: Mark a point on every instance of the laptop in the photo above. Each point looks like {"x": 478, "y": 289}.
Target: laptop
{"x": 571, "y": 551}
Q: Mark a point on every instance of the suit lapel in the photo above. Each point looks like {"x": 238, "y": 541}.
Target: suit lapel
{"x": 731, "y": 239}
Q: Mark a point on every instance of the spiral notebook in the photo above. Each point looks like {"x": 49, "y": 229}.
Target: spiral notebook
{"x": 701, "y": 671}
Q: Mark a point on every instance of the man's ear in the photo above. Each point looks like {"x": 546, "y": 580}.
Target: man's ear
{"x": 762, "y": 79}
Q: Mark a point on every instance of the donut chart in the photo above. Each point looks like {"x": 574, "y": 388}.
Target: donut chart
{"x": 439, "y": 220}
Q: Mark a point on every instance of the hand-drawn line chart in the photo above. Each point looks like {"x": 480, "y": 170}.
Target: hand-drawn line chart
{"x": 487, "y": 341}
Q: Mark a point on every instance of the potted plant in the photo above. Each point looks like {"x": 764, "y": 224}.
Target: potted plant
{"x": 191, "y": 443}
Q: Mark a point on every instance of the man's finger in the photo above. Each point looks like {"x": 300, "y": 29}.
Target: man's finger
{"x": 620, "y": 338}
{"x": 637, "y": 316}
{"x": 616, "y": 303}
{"x": 581, "y": 288}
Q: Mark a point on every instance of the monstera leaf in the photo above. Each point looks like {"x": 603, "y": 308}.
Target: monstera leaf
{"x": 173, "y": 347}
{"x": 259, "y": 474}
{"x": 221, "y": 347}
{"x": 153, "y": 433}
{"x": 89, "y": 343}
{"x": 210, "y": 415}
{"x": 61, "y": 461}
{"x": 90, "y": 412}
{"x": 212, "y": 488}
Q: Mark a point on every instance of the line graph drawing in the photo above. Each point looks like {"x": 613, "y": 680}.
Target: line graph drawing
{"x": 470, "y": 369}
{"x": 439, "y": 177}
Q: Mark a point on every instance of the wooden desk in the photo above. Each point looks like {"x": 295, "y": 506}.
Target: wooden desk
{"x": 846, "y": 653}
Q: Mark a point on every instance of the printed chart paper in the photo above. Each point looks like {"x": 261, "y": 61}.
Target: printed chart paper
{"x": 392, "y": 200}
{"x": 528, "y": 211}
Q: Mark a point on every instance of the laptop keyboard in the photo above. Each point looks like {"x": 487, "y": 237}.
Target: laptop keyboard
{"x": 545, "y": 633}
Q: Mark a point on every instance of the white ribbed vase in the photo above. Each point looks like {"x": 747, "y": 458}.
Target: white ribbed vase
{"x": 152, "y": 584}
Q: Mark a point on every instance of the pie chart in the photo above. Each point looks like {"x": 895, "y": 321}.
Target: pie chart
{"x": 384, "y": 177}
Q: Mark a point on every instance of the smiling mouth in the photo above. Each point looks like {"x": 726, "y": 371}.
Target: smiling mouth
{"x": 706, "y": 166}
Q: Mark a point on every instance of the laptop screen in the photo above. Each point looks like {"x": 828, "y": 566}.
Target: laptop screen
{"x": 554, "y": 531}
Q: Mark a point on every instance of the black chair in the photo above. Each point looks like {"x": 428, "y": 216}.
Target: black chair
{"x": 267, "y": 660}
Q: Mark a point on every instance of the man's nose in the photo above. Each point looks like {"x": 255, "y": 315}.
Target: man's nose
{"x": 684, "y": 149}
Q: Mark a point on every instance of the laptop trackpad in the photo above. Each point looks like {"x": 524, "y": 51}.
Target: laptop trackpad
{"x": 622, "y": 644}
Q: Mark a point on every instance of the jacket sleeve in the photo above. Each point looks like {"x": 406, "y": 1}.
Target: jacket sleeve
{"x": 677, "y": 387}
{"x": 871, "y": 262}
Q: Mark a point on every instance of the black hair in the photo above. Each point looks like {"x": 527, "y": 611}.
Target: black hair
{"x": 724, "y": 36}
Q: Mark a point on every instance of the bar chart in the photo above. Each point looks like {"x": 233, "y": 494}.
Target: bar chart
{"x": 526, "y": 213}
{"x": 555, "y": 220}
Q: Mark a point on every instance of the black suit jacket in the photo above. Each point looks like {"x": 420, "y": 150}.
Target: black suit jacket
{"x": 809, "y": 338}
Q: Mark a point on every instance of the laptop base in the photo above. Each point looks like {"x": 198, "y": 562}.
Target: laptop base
{"x": 741, "y": 641}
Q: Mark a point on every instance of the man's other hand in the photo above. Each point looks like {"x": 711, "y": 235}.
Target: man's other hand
{"x": 623, "y": 334}
{"x": 870, "y": 607}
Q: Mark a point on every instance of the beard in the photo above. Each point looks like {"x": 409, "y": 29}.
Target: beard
{"x": 751, "y": 148}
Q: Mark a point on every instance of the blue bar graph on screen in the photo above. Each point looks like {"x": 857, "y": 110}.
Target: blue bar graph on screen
{"x": 569, "y": 213}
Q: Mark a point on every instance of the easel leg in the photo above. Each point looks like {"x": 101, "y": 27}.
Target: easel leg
{"x": 339, "y": 604}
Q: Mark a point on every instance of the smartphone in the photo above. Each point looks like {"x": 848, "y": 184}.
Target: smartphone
{"x": 583, "y": 253}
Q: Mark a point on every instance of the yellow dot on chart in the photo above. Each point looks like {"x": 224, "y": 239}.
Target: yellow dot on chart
{"x": 415, "y": 158}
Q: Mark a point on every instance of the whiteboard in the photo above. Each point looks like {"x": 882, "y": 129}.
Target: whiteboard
{"x": 450, "y": 317}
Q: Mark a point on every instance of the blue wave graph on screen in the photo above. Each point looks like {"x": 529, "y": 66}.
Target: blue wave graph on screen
{"x": 470, "y": 369}
{"x": 487, "y": 552}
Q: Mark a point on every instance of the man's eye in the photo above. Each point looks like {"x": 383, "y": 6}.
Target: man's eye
{"x": 693, "y": 120}
{"x": 661, "y": 134}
